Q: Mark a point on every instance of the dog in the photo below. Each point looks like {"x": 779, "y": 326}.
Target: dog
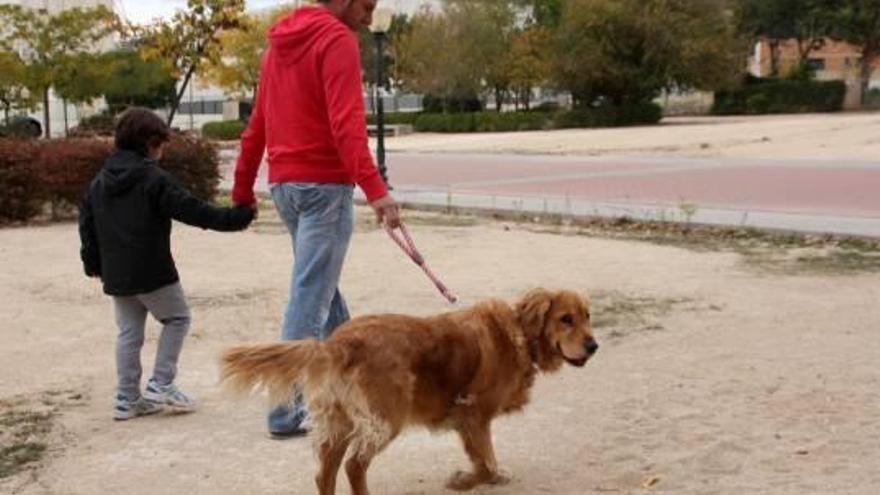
{"x": 456, "y": 371}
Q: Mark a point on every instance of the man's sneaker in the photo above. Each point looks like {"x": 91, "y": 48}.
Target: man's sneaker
{"x": 169, "y": 396}
{"x": 302, "y": 426}
{"x": 127, "y": 409}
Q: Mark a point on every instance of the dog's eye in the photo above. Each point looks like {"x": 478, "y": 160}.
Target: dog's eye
{"x": 567, "y": 319}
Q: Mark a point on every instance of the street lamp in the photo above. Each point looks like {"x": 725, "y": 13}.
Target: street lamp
{"x": 381, "y": 22}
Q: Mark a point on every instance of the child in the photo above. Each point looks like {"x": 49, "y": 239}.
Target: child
{"x": 125, "y": 228}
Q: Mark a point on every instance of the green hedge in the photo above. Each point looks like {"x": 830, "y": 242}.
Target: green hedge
{"x": 638, "y": 114}
{"x": 102, "y": 124}
{"x": 227, "y": 130}
{"x": 490, "y": 121}
{"x": 394, "y": 118}
{"x": 872, "y": 99}
{"x": 763, "y": 96}
{"x": 482, "y": 122}
{"x": 20, "y": 127}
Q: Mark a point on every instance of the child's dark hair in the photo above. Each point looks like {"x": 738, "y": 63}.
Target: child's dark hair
{"x": 139, "y": 129}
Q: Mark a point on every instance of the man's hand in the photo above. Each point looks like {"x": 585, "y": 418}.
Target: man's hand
{"x": 387, "y": 211}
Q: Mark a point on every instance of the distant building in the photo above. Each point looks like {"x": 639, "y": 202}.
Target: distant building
{"x": 835, "y": 60}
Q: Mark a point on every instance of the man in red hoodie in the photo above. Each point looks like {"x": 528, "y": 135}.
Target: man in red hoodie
{"x": 309, "y": 115}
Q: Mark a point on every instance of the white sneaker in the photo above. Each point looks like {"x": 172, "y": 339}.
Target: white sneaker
{"x": 169, "y": 396}
{"x": 128, "y": 409}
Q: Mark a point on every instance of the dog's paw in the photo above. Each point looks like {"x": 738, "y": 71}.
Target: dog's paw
{"x": 500, "y": 478}
{"x": 462, "y": 480}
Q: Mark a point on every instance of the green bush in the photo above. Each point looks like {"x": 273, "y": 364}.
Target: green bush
{"x": 872, "y": 99}
{"x": 771, "y": 95}
{"x": 21, "y": 127}
{"x": 452, "y": 104}
{"x": 102, "y": 124}
{"x": 57, "y": 173}
{"x": 395, "y": 118}
{"x": 482, "y": 122}
{"x": 647, "y": 113}
{"x": 638, "y": 114}
{"x": 227, "y": 130}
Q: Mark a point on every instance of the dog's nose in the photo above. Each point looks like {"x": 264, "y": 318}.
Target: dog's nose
{"x": 591, "y": 347}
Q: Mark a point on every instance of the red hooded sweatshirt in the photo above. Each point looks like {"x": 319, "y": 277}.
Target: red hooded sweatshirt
{"x": 309, "y": 109}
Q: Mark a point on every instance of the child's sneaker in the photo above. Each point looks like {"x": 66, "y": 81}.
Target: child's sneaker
{"x": 127, "y": 409}
{"x": 170, "y": 396}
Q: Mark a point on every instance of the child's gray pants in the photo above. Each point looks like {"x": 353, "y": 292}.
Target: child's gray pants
{"x": 168, "y": 306}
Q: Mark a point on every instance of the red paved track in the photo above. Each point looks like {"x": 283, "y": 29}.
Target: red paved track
{"x": 808, "y": 195}
{"x": 842, "y": 188}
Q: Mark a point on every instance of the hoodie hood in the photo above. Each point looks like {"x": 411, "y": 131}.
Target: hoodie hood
{"x": 296, "y": 34}
{"x": 122, "y": 170}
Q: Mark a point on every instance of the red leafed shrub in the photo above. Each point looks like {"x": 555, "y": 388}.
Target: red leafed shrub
{"x": 57, "y": 173}
{"x": 21, "y": 190}
{"x": 67, "y": 166}
{"x": 194, "y": 162}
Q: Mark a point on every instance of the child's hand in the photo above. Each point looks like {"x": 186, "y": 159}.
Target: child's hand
{"x": 244, "y": 215}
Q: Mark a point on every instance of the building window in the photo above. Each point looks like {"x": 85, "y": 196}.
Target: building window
{"x": 816, "y": 64}
{"x": 201, "y": 107}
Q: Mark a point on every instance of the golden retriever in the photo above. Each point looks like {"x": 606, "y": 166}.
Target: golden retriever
{"x": 458, "y": 370}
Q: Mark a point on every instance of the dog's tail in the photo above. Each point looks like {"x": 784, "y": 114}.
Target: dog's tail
{"x": 275, "y": 367}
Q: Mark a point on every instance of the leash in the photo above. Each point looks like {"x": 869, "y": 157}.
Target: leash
{"x": 409, "y": 247}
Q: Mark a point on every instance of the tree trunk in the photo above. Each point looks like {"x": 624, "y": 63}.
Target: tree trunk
{"x": 6, "y": 105}
{"x": 499, "y": 99}
{"x": 66, "y": 132}
{"x": 180, "y": 93}
{"x": 774, "y": 57}
{"x": 866, "y": 69}
{"x": 46, "y": 129}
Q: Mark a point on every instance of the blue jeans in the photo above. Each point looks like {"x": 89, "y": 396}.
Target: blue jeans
{"x": 320, "y": 220}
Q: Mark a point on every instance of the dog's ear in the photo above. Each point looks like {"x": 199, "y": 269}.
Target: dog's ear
{"x": 532, "y": 311}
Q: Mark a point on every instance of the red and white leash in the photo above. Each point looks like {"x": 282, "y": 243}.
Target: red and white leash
{"x": 409, "y": 247}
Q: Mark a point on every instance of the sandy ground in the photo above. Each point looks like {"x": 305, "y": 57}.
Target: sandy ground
{"x": 821, "y": 136}
{"x": 714, "y": 377}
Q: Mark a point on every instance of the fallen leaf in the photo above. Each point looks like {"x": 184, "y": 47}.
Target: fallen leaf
{"x": 653, "y": 480}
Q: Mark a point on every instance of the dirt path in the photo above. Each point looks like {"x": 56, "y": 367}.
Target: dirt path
{"x": 716, "y": 376}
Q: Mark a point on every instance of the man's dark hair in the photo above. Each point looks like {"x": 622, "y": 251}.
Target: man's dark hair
{"x": 139, "y": 129}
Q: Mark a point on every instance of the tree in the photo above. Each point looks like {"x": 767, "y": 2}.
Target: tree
{"x": 129, "y": 80}
{"x": 458, "y": 52}
{"x": 191, "y": 39}
{"x": 400, "y": 24}
{"x": 528, "y": 61}
{"x": 545, "y": 13}
{"x": 79, "y": 77}
{"x": 627, "y": 51}
{"x": 858, "y": 22}
{"x": 421, "y": 65}
{"x": 236, "y": 69}
{"x": 45, "y": 42}
{"x": 12, "y": 83}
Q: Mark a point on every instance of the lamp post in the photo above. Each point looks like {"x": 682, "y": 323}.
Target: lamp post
{"x": 381, "y": 22}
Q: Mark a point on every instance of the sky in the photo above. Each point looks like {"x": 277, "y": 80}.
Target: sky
{"x": 143, "y": 11}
